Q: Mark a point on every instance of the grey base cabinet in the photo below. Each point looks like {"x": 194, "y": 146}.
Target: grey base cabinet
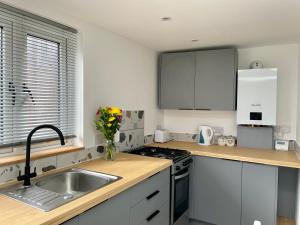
{"x": 73, "y": 221}
{"x": 147, "y": 203}
{"x": 259, "y": 198}
{"x": 225, "y": 192}
{"x": 216, "y": 191}
{"x": 114, "y": 211}
{"x": 150, "y": 201}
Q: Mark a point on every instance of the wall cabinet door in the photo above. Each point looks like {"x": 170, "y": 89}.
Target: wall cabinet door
{"x": 216, "y": 191}
{"x": 114, "y": 211}
{"x": 177, "y": 80}
{"x": 215, "y": 82}
{"x": 259, "y": 194}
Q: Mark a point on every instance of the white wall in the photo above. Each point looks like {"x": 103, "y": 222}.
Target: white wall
{"x": 187, "y": 121}
{"x": 118, "y": 72}
{"x": 298, "y": 149}
{"x": 298, "y": 102}
{"x": 285, "y": 58}
{"x": 114, "y": 70}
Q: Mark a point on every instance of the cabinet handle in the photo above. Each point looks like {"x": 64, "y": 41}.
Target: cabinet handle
{"x": 204, "y": 109}
{"x": 153, "y": 194}
{"x": 187, "y": 162}
{"x": 185, "y": 109}
{"x": 153, "y": 215}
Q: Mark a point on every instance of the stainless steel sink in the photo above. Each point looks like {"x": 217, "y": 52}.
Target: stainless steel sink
{"x": 49, "y": 192}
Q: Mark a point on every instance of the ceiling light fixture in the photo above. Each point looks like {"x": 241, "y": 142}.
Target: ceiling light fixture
{"x": 195, "y": 40}
{"x": 166, "y": 18}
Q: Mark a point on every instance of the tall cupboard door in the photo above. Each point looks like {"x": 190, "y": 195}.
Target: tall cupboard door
{"x": 259, "y": 194}
{"x": 177, "y": 80}
{"x": 216, "y": 191}
{"x": 215, "y": 82}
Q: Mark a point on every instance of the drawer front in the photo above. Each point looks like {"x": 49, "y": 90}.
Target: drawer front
{"x": 147, "y": 206}
{"x": 158, "y": 217}
{"x": 149, "y": 186}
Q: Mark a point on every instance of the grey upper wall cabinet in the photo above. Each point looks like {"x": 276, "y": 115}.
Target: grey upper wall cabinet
{"x": 202, "y": 80}
{"x": 177, "y": 78}
{"x": 215, "y": 82}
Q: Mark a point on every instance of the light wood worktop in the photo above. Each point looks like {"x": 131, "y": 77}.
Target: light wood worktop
{"x": 262, "y": 156}
{"x": 285, "y": 221}
{"x": 132, "y": 168}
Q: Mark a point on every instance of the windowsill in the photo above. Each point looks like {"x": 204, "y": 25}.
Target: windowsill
{"x": 9, "y": 160}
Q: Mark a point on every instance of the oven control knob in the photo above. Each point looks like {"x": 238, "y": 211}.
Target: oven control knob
{"x": 177, "y": 168}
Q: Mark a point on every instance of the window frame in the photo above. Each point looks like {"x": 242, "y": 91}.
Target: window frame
{"x": 7, "y": 29}
{"x": 59, "y": 36}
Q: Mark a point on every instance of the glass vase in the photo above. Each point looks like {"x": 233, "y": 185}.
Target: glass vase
{"x": 110, "y": 150}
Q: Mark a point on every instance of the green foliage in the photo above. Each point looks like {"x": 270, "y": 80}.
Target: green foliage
{"x": 108, "y": 120}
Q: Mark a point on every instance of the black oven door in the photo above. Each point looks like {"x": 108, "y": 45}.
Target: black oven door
{"x": 181, "y": 194}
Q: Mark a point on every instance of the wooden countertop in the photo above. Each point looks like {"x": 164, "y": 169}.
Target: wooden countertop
{"x": 262, "y": 156}
{"x": 132, "y": 168}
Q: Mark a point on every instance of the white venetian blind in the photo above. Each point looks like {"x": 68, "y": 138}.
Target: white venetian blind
{"x": 37, "y": 78}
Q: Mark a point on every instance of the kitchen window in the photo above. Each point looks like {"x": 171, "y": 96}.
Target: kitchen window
{"x": 37, "y": 80}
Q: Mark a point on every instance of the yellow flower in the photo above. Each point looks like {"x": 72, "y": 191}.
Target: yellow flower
{"x": 115, "y": 110}
{"x": 109, "y": 124}
{"x": 111, "y": 119}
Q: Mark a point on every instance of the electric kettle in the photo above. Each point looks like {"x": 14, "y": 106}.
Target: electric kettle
{"x": 206, "y": 134}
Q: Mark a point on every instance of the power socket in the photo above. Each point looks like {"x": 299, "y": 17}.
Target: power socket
{"x": 257, "y": 222}
{"x": 218, "y": 130}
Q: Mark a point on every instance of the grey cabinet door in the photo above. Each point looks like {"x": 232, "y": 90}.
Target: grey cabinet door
{"x": 216, "y": 191}
{"x": 215, "y": 82}
{"x": 73, "y": 221}
{"x": 259, "y": 194}
{"x": 176, "y": 80}
{"x": 114, "y": 211}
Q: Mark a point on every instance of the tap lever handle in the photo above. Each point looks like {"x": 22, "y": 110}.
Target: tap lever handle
{"x": 33, "y": 174}
{"x": 20, "y": 177}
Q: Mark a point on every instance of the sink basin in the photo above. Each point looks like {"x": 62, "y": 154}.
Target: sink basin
{"x": 75, "y": 182}
{"x": 51, "y": 191}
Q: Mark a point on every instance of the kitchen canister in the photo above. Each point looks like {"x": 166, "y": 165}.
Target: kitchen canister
{"x": 226, "y": 141}
{"x": 230, "y": 141}
{"x": 222, "y": 140}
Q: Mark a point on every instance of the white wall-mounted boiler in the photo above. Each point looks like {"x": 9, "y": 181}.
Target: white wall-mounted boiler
{"x": 257, "y": 97}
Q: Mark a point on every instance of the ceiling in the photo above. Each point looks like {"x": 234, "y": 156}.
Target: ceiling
{"x": 212, "y": 22}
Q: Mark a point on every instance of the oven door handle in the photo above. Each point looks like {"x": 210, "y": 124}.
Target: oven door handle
{"x": 181, "y": 176}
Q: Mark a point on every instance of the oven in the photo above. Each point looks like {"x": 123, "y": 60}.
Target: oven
{"x": 179, "y": 208}
{"x": 180, "y": 196}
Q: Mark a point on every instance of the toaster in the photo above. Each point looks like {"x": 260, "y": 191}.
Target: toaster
{"x": 161, "y": 135}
